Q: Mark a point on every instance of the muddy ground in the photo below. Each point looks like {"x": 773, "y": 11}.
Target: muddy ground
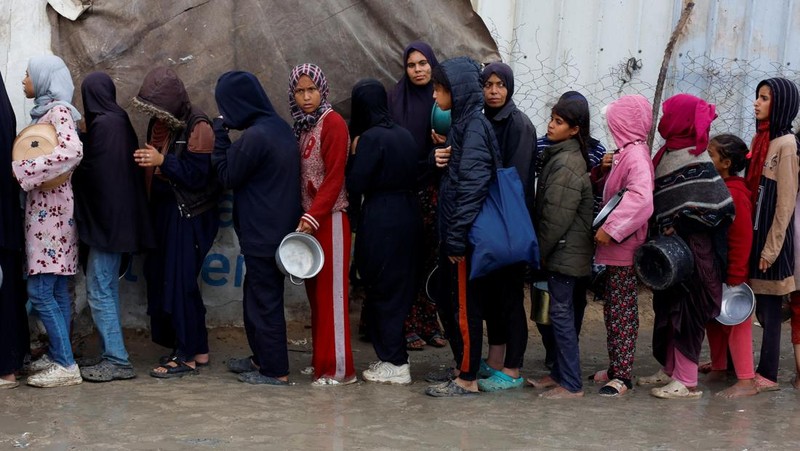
{"x": 214, "y": 411}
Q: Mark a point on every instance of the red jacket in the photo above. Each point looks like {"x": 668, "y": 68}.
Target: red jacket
{"x": 740, "y": 234}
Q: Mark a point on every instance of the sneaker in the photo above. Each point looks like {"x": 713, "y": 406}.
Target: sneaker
{"x": 105, "y": 371}
{"x": 763, "y": 384}
{"x": 499, "y": 381}
{"x": 42, "y": 364}
{"x": 388, "y": 373}
{"x": 325, "y": 381}
{"x": 56, "y": 376}
{"x": 256, "y": 378}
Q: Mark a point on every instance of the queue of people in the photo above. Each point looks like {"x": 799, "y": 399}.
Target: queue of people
{"x": 410, "y": 194}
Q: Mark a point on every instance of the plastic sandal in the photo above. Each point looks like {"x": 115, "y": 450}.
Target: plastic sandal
{"x": 763, "y": 384}
{"x": 675, "y": 390}
{"x": 613, "y": 388}
{"x": 499, "y": 381}
{"x": 415, "y": 343}
{"x": 449, "y": 390}
{"x": 182, "y": 369}
{"x": 659, "y": 378}
{"x": 485, "y": 370}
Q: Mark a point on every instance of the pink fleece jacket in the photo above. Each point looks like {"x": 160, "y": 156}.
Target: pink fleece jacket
{"x": 629, "y": 120}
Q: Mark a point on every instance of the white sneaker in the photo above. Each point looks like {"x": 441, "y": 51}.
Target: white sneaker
{"x": 42, "y": 364}
{"x": 387, "y": 373}
{"x": 56, "y": 376}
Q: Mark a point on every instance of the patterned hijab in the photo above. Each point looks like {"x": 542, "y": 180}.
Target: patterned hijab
{"x": 302, "y": 121}
{"x": 52, "y": 85}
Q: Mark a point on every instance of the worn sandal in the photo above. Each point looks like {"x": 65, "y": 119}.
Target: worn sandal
{"x": 182, "y": 369}
{"x": 613, "y": 388}
{"x": 449, "y": 390}
{"x": 600, "y": 377}
{"x": 499, "y": 381}
{"x": 705, "y": 368}
{"x": 763, "y": 384}
{"x": 484, "y": 370}
{"x": 675, "y": 390}
{"x": 659, "y": 378}
{"x": 415, "y": 343}
{"x": 437, "y": 341}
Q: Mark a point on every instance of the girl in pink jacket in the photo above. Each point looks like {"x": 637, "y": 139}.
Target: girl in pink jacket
{"x": 629, "y": 120}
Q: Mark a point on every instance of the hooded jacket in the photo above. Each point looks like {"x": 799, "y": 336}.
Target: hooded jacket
{"x": 465, "y": 183}
{"x": 262, "y": 166}
{"x": 629, "y": 121}
{"x": 110, "y": 197}
{"x": 564, "y": 211}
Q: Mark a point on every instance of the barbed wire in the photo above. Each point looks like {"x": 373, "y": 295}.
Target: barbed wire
{"x": 728, "y": 83}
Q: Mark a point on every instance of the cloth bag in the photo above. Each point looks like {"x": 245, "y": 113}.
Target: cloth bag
{"x": 502, "y": 233}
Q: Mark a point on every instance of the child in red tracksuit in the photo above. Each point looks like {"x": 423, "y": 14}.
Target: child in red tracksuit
{"x": 728, "y": 153}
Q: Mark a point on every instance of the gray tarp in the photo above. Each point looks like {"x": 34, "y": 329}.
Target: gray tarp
{"x": 349, "y": 39}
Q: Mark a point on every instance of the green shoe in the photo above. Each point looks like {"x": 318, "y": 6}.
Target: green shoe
{"x": 499, "y": 381}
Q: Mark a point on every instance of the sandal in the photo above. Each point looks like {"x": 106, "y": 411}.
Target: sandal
{"x": 659, "y": 378}
{"x": 415, "y": 343}
{"x": 613, "y": 388}
{"x": 166, "y": 358}
{"x": 499, "y": 381}
{"x": 437, "y": 341}
{"x": 484, "y": 370}
{"x": 705, "y": 368}
{"x": 675, "y": 390}
{"x": 449, "y": 390}
{"x": 181, "y": 369}
{"x": 600, "y": 377}
{"x": 763, "y": 384}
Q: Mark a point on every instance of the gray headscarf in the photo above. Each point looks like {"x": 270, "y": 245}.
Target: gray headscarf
{"x": 52, "y": 85}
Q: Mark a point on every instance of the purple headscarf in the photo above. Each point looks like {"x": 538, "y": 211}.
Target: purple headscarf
{"x": 302, "y": 120}
{"x": 409, "y": 104}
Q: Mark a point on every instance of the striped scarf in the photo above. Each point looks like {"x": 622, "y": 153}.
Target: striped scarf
{"x": 306, "y": 121}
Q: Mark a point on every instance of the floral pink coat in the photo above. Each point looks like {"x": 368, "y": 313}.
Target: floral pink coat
{"x": 51, "y": 237}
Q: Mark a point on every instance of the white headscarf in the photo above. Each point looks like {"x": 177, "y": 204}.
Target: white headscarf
{"x": 52, "y": 85}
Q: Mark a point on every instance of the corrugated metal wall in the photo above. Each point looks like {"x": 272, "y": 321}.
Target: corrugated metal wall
{"x": 607, "y": 48}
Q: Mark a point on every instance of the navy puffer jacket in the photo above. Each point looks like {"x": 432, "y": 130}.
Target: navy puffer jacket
{"x": 465, "y": 183}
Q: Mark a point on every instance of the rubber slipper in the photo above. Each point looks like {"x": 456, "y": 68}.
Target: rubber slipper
{"x": 182, "y": 369}
{"x": 675, "y": 390}
{"x": 763, "y": 384}
{"x": 499, "y": 381}
{"x": 449, "y": 390}
{"x": 659, "y": 378}
{"x": 415, "y": 343}
{"x": 484, "y": 370}
{"x": 613, "y": 388}
{"x": 437, "y": 341}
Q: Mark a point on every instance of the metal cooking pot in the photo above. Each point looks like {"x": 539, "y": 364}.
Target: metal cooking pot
{"x": 299, "y": 256}
{"x": 663, "y": 262}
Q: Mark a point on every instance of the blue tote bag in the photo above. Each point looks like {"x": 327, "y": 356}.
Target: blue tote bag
{"x": 502, "y": 233}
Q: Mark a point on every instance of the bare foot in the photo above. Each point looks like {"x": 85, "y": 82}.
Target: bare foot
{"x": 796, "y": 382}
{"x": 560, "y": 393}
{"x": 742, "y": 388}
{"x": 9, "y": 377}
{"x": 716, "y": 376}
{"x": 704, "y": 368}
{"x": 545, "y": 382}
{"x": 467, "y": 385}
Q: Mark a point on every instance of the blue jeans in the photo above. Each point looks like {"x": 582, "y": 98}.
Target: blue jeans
{"x": 102, "y": 291}
{"x": 567, "y": 368}
{"x": 50, "y": 297}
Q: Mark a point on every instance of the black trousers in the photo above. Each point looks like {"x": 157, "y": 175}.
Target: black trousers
{"x": 502, "y": 301}
{"x": 579, "y": 304}
{"x": 13, "y": 316}
{"x": 768, "y": 312}
{"x": 461, "y": 317}
{"x": 264, "y": 317}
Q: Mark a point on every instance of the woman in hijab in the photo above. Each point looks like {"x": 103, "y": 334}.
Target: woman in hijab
{"x": 772, "y": 180}
{"x": 410, "y": 104}
{"x": 382, "y": 169}
{"x": 323, "y": 139}
{"x": 50, "y": 231}
{"x": 263, "y": 169}
{"x": 112, "y": 217}
{"x": 184, "y": 193}
{"x": 502, "y": 292}
{"x": 13, "y": 319}
{"x": 691, "y": 201}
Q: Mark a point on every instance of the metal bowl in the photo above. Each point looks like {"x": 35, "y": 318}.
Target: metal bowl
{"x": 738, "y": 303}
{"x": 299, "y": 255}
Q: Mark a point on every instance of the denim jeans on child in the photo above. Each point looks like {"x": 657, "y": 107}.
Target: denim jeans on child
{"x": 49, "y": 295}
{"x": 567, "y": 368}
{"x": 102, "y": 290}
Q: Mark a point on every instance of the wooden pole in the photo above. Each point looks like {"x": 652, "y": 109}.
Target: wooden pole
{"x": 662, "y": 74}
